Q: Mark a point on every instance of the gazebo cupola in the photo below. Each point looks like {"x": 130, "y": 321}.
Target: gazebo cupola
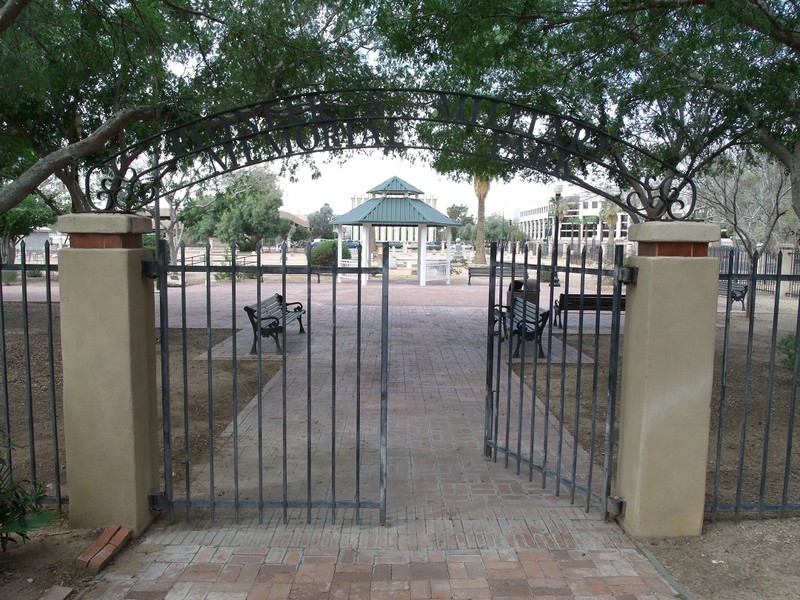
{"x": 396, "y": 202}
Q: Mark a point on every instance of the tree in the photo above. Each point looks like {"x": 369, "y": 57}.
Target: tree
{"x": 320, "y": 222}
{"x": 750, "y": 194}
{"x": 609, "y": 214}
{"x": 685, "y": 80}
{"x": 460, "y": 213}
{"x": 20, "y": 222}
{"x": 481, "y": 186}
{"x": 244, "y": 212}
{"x": 89, "y": 78}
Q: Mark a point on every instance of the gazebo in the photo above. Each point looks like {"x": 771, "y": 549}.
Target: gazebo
{"x": 396, "y": 203}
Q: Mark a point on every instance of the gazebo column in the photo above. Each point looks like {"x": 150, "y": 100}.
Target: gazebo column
{"x": 448, "y": 251}
{"x": 366, "y": 251}
{"x": 422, "y": 254}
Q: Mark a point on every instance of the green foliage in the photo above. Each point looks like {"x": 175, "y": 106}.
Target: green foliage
{"x": 21, "y": 221}
{"x": 244, "y": 212}
{"x": 788, "y": 348}
{"x": 324, "y": 254}
{"x": 20, "y": 505}
{"x": 10, "y": 277}
{"x": 320, "y": 222}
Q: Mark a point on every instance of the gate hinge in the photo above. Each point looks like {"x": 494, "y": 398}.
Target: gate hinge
{"x": 627, "y": 275}
{"x": 157, "y": 500}
{"x": 615, "y": 507}
{"x": 150, "y": 269}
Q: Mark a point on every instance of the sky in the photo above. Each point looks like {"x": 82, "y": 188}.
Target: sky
{"x": 339, "y": 183}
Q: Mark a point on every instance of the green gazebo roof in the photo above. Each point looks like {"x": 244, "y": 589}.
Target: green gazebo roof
{"x": 394, "y": 211}
{"x": 395, "y": 186}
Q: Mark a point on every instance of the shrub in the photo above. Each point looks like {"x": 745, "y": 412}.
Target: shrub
{"x": 35, "y": 273}
{"x": 787, "y": 347}
{"x": 324, "y": 254}
{"x": 10, "y": 277}
{"x": 20, "y": 506}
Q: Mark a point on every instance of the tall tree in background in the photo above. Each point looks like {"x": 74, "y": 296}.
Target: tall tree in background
{"x": 481, "y": 186}
{"x": 749, "y": 194}
{"x": 320, "y": 222}
{"x": 609, "y": 214}
{"x": 244, "y": 212}
{"x": 20, "y": 222}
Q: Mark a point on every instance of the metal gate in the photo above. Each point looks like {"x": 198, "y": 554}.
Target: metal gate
{"x": 304, "y": 441}
{"x": 551, "y": 412}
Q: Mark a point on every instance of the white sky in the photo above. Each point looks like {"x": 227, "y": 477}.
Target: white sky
{"x": 339, "y": 183}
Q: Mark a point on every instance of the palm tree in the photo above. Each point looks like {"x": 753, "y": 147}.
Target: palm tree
{"x": 481, "y": 185}
{"x": 609, "y": 214}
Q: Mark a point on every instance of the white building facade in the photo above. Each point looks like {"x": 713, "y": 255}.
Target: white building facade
{"x": 580, "y": 226}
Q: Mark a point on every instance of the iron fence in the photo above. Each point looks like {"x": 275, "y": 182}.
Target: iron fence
{"x": 554, "y": 416}
{"x": 30, "y": 350}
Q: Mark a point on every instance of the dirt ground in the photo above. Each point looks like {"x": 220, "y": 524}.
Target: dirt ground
{"x": 744, "y": 560}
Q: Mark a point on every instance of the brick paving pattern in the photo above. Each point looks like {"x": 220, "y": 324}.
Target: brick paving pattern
{"x": 459, "y": 526}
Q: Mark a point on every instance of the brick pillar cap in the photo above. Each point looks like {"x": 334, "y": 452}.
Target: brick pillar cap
{"x": 105, "y": 223}
{"x": 674, "y": 231}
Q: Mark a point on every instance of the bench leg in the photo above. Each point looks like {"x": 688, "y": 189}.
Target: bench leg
{"x": 300, "y": 320}
{"x": 277, "y": 342}
{"x": 255, "y": 343}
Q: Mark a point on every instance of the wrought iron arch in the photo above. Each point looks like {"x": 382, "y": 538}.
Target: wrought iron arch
{"x": 525, "y": 138}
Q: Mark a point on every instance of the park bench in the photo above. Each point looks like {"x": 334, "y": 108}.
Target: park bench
{"x": 593, "y": 302}
{"x": 736, "y": 291}
{"x": 523, "y": 319}
{"x": 483, "y": 271}
{"x": 267, "y": 318}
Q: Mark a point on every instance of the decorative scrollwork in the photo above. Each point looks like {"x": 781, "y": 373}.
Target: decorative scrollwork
{"x": 126, "y": 194}
{"x": 653, "y": 201}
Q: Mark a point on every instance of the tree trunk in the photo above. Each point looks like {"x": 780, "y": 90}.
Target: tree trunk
{"x": 481, "y": 186}
{"x": 8, "y": 249}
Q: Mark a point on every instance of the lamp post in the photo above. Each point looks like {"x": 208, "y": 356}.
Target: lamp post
{"x": 557, "y": 189}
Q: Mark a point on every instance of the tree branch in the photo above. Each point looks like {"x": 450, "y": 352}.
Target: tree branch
{"x": 10, "y": 11}
{"x": 24, "y": 185}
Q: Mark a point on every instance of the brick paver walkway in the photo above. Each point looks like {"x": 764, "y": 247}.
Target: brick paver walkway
{"x": 459, "y": 526}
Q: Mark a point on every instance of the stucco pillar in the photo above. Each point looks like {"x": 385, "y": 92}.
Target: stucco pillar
{"x": 668, "y": 354}
{"x": 108, "y": 359}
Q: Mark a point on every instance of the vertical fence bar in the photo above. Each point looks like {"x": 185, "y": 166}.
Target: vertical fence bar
{"x": 26, "y": 361}
{"x": 52, "y": 376}
{"x": 4, "y": 359}
{"x": 770, "y": 387}
{"x": 334, "y": 343}
{"x": 187, "y": 473}
{"x": 509, "y": 369}
{"x": 358, "y": 380}
{"x": 310, "y": 330}
{"x": 492, "y": 318}
{"x": 384, "y": 474}
{"x": 563, "y": 387}
{"x": 549, "y": 369}
{"x": 578, "y": 375}
{"x": 260, "y": 383}
{"x": 751, "y": 315}
{"x": 161, "y": 257}
{"x": 234, "y": 386}
{"x": 284, "y": 392}
{"x": 595, "y": 382}
{"x": 787, "y": 470}
{"x": 613, "y": 373}
{"x": 535, "y": 373}
{"x": 210, "y": 389}
{"x": 502, "y": 326}
{"x": 723, "y": 392}
{"x": 522, "y": 357}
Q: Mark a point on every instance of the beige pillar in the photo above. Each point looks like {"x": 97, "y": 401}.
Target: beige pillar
{"x": 108, "y": 358}
{"x": 667, "y": 376}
